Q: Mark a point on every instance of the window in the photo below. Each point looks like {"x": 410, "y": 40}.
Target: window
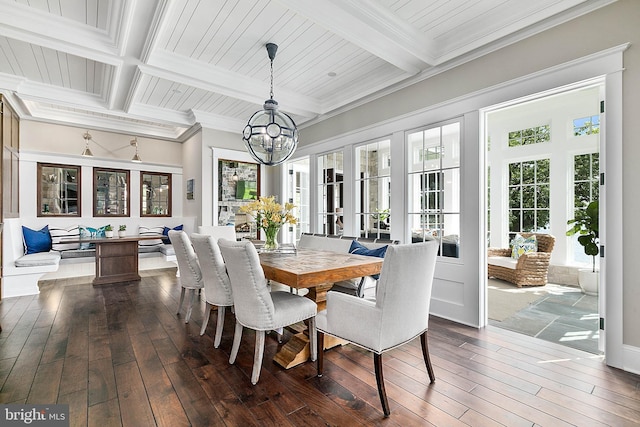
{"x": 530, "y": 136}
{"x": 155, "y": 194}
{"x": 586, "y": 173}
{"x": 586, "y": 126}
{"x": 58, "y": 190}
{"x": 373, "y": 188}
{"x": 330, "y": 192}
{"x": 299, "y": 195}
{"x": 529, "y": 196}
{"x": 111, "y": 192}
{"x": 434, "y": 186}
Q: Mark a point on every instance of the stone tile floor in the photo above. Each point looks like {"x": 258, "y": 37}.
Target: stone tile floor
{"x": 569, "y": 318}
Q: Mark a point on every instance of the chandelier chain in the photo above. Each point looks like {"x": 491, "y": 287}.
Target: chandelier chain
{"x": 271, "y": 91}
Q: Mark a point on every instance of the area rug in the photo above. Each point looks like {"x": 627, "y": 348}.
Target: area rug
{"x": 506, "y": 299}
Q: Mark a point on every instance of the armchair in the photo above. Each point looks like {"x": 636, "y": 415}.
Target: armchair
{"x": 399, "y": 314}
{"x": 528, "y": 270}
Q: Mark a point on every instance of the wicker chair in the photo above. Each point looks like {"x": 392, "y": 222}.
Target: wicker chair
{"x": 530, "y": 269}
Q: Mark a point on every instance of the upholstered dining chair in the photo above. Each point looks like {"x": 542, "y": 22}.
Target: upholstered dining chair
{"x": 399, "y": 313}
{"x": 257, "y": 308}
{"x": 190, "y": 274}
{"x": 217, "y": 288}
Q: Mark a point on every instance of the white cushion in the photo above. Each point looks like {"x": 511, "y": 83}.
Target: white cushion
{"x": 38, "y": 259}
{"x": 503, "y": 261}
{"x": 151, "y": 231}
{"x": 59, "y": 233}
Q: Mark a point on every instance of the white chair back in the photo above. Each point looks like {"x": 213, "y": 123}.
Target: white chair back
{"x": 218, "y": 231}
{"x": 217, "y": 287}
{"x": 190, "y": 274}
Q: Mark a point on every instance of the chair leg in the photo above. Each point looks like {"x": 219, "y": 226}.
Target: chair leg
{"x": 320, "y": 345}
{"x": 205, "y": 321}
{"x": 377, "y": 361}
{"x": 237, "y": 337}
{"x": 181, "y": 300}
{"x": 219, "y": 326}
{"x": 425, "y": 355}
{"x": 313, "y": 339}
{"x": 258, "y": 352}
{"x": 192, "y": 301}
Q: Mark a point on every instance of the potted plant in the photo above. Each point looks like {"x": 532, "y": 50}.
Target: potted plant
{"x": 122, "y": 230}
{"x": 108, "y": 231}
{"x": 586, "y": 225}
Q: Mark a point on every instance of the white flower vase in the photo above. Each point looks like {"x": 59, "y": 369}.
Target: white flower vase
{"x": 122, "y": 233}
{"x": 108, "y": 234}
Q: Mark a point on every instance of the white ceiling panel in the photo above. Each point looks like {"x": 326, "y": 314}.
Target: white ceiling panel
{"x": 159, "y": 67}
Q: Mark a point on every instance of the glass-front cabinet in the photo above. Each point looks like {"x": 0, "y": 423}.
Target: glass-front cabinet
{"x": 58, "y": 190}
{"x": 155, "y": 194}
{"x": 111, "y": 192}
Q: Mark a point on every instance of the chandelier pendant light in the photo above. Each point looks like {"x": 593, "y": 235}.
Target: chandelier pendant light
{"x": 87, "y": 151}
{"x": 270, "y": 136}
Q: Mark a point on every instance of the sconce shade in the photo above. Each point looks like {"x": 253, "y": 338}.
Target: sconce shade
{"x": 270, "y": 136}
{"x": 136, "y": 158}
{"x": 87, "y": 151}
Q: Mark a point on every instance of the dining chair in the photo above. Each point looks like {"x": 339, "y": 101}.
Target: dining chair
{"x": 258, "y": 309}
{"x": 217, "y": 288}
{"x": 190, "y": 274}
{"x": 218, "y": 231}
{"x": 399, "y": 313}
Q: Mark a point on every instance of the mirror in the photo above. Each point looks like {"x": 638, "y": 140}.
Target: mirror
{"x": 155, "y": 194}
{"x": 111, "y": 192}
{"x": 58, "y": 190}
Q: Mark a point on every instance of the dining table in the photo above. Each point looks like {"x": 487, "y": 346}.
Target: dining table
{"x": 316, "y": 271}
{"x": 116, "y": 257}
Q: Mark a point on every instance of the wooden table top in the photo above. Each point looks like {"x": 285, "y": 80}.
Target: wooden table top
{"x": 309, "y": 268}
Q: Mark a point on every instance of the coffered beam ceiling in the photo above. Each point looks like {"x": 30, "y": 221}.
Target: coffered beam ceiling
{"x": 158, "y": 67}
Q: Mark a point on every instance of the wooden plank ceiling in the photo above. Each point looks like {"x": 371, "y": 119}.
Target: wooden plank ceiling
{"x": 156, "y": 68}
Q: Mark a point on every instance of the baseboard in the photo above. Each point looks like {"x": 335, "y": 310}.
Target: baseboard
{"x": 631, "y": 358}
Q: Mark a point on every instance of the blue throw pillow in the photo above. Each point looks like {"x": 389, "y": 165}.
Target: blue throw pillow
{"x": 36, "y": 240}
{"x": 360, "y": 249}
{"x": 165, "y": 232}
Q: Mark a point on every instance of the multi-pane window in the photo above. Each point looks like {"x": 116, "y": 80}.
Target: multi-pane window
{"x": 330, "y": 193}
{"x": 373, "y": 189}
{"x": 300, "y": 196}
{"x": 534, "y": 135}
{"x": 586, "y": 172}
{"x": 529, "y": 196}
{"x": 586, "y": 126}
{"x": 434, "y": 186}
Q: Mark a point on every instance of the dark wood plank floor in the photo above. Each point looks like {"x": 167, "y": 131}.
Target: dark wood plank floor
{"x": 119, "y": 355}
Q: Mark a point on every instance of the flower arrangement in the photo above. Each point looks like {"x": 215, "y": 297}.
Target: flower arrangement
{"x": 270, "y": 216}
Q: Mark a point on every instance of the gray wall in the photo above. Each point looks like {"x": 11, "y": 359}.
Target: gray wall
{"x": 607, "y": 27}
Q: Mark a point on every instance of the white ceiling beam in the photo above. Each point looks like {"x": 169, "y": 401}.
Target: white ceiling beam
{"x": 30, "y": 25}
{"x": 373, "y": 28}
{"x": 172, "y": 67}
{"x": 215, "y": 121}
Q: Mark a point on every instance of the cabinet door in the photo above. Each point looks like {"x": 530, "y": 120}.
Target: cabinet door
{"x": 58, "y": 190}
{"x": 111, "y": 194}
{"x": 155, "y": 194}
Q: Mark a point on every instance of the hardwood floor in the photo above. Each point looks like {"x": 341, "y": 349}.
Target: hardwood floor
{"x": 118, "y": 355}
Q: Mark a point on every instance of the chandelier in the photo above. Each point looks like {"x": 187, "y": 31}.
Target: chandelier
{"x": 270, "y": 136}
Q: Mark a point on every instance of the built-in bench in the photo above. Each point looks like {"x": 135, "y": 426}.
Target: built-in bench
{"x": 342, "y": 244}
{"x": 21, "y": 272}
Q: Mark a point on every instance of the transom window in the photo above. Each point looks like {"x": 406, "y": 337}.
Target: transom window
{"x": 534, "y": 135}
{"x": 586, "y": 126}
{"x": 434, "y": 186}
{"x": 529, "y": 196}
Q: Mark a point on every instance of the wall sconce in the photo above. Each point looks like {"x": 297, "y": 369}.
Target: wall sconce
{"x": 136, "y": 157}
{"x": 87, "y": 152}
